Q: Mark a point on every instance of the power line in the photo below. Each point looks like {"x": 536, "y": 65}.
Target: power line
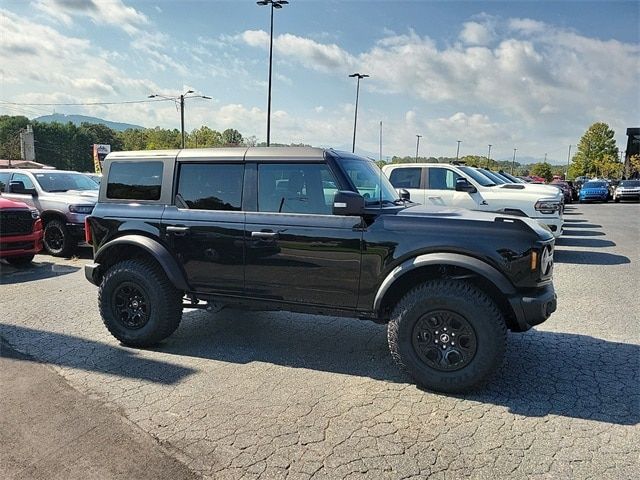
{"x": 87, "y": 103}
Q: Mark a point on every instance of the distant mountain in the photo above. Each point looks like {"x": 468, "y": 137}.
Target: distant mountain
{"x": 78, "y": 119}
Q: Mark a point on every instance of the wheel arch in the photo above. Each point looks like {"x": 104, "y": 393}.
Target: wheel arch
{"x": 445, "y": 265}
{"x": 48, "y": 215}
{"x": 138, "y": 246}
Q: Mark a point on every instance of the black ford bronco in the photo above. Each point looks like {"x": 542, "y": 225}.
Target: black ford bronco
{"x": 315, "y": 231}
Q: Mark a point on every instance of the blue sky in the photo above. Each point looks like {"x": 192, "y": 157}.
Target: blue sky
{"x": 526, "y": 75}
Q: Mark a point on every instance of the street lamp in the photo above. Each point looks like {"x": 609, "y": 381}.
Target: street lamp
{"x": 355, "y": 118}
{"x": 513, "y": 163}
{"x": 489, "y": 155}
{"x": 417, "y": 145}
{"x": 566, "y": 175}
{"x": 458, "y": 150}
{"x": 275, "y": 4}
{"x": 180, "y": 99}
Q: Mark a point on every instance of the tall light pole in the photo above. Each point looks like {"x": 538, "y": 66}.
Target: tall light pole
{"x": 458, "y": 149}
{"x": 275, "y": 4}
{"x": 355, "y": 118}
{"x": 566, "y": 175}
{"x": 513, "y": 162}
{"x": 417, "y": 146}
{"x": 545, "y": 157}
{"x": 489, "y": 155}
{"x": 380, "y": 158}
{"x": 180, "y": 101}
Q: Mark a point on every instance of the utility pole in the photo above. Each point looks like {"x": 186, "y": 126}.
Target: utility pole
{"x": 181, "y": 99}
{"x": 182, "y": 117}
{"x": 489, "y": 155}
{"x": 513, "y": 162}
{"x": 458, "y": 150}
{"x": 545, "y": 158}
{"x": 417, "y": 146}
{"x": 566, "y": 175}
{"x": 355, "y": 118}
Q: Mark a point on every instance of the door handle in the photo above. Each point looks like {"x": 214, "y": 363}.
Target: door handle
{"x": 264, "y": 234}
{"x": 178, "y": 231}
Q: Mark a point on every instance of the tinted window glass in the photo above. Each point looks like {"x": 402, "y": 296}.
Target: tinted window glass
{"x": 406, "y": 177}
{"x": 134, "y": 180}
{"x": 4, "y": 181}
{"x": 496, "y": 179}
{"x": 210, "y": 186}
{"x": 367, "y": 177}
{"x": 21, "y": 177}
{"x": 442, "y": 179}
{"x": 296, "y": 188}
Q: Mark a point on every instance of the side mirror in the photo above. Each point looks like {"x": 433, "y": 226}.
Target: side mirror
{"x": 404, "y": 194}
{"x": 348, "y": 203}
{"x": 463, "y": 185}
{"x": 18, "y": 187}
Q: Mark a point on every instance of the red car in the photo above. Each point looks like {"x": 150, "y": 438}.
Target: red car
{"x": 20, "y": 232}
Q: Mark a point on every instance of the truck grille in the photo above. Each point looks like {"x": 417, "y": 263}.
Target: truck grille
{"x": 15, "y": 222}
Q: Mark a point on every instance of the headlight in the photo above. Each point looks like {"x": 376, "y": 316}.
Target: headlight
{"x": 547, "y": 206}
{"x": 81, "y": 208}
{"x": 35, "y": 214}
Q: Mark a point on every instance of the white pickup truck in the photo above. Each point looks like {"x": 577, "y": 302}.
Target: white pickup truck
{"x": 465, "y": 187}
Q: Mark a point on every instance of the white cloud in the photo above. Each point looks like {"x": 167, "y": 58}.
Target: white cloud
{"x": 474, "y": 33}
{"x": 312, "y": 54}
{"x": 101, "y": 12}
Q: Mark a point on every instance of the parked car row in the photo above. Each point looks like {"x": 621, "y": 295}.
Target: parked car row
{"x": 479, "y": 189}
{"x": 63, "y": 199}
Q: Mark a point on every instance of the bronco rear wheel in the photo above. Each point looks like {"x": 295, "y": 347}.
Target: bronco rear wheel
{"x": 138, "y": 303}
{"x": 448, "y": 335}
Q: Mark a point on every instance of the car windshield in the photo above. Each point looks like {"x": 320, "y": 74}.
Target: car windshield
{"x": 65, "y": 181}
{"x": 478, "y": 177}
{"x": 595, "y": 185}
{"x": 496, "y": 178}
{"x": 511, "y": 177}
{"x": 630, "y": 183}
{"x": 371, "y": 183}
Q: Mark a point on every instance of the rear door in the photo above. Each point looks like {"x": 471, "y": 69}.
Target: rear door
{"x": 205, "y": 225}
{"x": 411, "y": 179}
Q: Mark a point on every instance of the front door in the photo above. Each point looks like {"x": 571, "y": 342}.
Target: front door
{"x": 441, "y": 190}
{"x": 411, "y": 179}
{"x": 296, "y": 249}
{"x": 205, "y": 226}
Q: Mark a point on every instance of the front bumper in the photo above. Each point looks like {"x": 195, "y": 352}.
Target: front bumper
{"x": 20, "y": 245}
{"x": 533, "y": 307}
{"x": 553, "y": 224}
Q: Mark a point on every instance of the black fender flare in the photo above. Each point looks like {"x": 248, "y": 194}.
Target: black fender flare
{"x": 443, "y": 258}
{"x": 156, "y": 250}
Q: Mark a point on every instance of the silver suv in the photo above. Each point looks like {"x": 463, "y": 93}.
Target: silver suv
{"x": 63, "y": 199}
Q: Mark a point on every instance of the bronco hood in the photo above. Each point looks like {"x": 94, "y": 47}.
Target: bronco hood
{"x": 449, "y": 213}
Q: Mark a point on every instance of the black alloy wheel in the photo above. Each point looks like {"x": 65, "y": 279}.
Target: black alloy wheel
{"x": 131, "y": 305}
{"x": 444, "y": 340}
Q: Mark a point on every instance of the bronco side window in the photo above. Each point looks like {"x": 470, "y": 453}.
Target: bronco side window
{"x": 210, "y": 186}
{"x": 296, "y": 188}
{"x": 134, "y": 180}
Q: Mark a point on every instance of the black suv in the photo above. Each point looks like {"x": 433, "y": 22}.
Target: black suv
{"x": 315, "y": 231}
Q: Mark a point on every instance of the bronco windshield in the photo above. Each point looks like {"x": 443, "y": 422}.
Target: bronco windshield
{"x": 371, "y": 183}
{"x": 65, "y": 181}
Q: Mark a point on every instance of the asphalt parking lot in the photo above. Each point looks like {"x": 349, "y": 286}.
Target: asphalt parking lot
{"x": 278, "y": 395}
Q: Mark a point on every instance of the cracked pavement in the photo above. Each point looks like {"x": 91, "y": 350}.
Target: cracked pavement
{"x": 246, "y": 395}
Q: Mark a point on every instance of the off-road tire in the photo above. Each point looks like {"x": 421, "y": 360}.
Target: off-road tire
{"x": 463, "y": 299}
{"x": 20, "y": 261}
{"x": 164, "y": 302}
{"x": 57, "y": 239}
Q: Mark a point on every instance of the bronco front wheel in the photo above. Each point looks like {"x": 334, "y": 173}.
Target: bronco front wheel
{"x": 448, "y": 335}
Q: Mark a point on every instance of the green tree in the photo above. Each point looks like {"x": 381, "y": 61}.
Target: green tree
{"x": 133, "y": 139}
{"x": 596, "y": 143}
{"x": 232, "y": 137}
{"x": 634, "y": 166}
{"x": 10, "y": 127}
{"x": 204, "y": 137}
{"x": 543, "y": 169}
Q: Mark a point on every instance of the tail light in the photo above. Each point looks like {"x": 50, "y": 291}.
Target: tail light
{"x": 87, "y": 231}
